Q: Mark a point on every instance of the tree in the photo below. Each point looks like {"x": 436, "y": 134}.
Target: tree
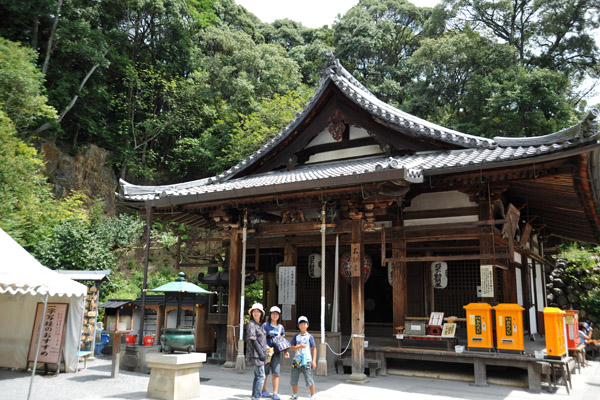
{"x": 257, "y": 128}
{"x": 375, "y": 38}
{"x": 22, "y": 97}
{"x": 473, "y": 84}
{"x": 554, "y": 34}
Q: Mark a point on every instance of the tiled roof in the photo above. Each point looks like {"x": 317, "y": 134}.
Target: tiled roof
{"x": 476, "y": 151}
{"x": 414, "y": 166}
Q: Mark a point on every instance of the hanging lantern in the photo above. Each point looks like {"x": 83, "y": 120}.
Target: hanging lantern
{"x": 314, "y": 265}
{"x": 439, "y": 274}
{"x": 277, "y": 272}
{"x": 346, "y": 266}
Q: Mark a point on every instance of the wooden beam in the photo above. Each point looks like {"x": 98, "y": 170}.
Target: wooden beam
{"x": 459, "y": 257}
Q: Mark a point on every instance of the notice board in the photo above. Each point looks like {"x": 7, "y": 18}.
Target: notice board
{"x": 287, "y": 285}
{"x": 53, "y": 330}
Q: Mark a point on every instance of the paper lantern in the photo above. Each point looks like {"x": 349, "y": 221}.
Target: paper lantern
{"x": 346, "y": 266}
{"x": 314, "y": 265}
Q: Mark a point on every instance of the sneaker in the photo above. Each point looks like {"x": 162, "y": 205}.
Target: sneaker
{"x": 313, "y": 397}
{"x": 266, "y": 394}
{"x": 275, "y": 397}
{"x": 294, "y": 397}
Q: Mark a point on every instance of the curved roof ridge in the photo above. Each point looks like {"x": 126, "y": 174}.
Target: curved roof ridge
{"x": 582, "y": 131}
{"x": 369, "y": 102}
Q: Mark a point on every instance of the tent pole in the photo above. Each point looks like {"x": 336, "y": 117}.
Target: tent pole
{"x": 37, "y": 349}
{"x": 145, "y": 284}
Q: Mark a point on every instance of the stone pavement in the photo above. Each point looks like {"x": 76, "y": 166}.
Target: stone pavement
{"x": 218, "y": 384}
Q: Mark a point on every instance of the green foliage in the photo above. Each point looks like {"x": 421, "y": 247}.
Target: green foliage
{"x": 254, "y": 292}
{"x": 122, "y": 287}
{"x": 582, "y": 256}
{"x": 22, "y": 96}
{"x": 258, "y": 127}
{"x": 591, "y": 303}
{"x": 81, "y": 244}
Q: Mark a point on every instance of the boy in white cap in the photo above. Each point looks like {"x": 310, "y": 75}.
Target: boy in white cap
{"x": 256, "y": 348}
{"x": 305, "y": 359}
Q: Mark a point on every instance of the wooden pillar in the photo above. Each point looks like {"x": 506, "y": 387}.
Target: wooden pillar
{"x": 270, "y": 289}
{"x": 233, "y": 310}
{"x": 358, "y": 303}
{"x": 400, "y": 297}
{"x": 526, "y": 284}
{"x": 290, "y": 259}
{"x": 160, "y": 316}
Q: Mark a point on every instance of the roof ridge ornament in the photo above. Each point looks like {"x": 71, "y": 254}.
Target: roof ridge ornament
{"x": 589, "y": 125}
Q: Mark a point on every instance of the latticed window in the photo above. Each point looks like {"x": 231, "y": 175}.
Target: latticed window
{"x": 463, "y": 280}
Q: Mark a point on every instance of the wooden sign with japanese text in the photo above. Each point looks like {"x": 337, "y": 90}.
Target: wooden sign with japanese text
{"x": 53, "y": 330}
{"x": 487, "y": 280}
{"x": 356, "y": 261}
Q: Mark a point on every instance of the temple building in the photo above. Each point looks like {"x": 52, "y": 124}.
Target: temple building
{"x": 358, "y": 214}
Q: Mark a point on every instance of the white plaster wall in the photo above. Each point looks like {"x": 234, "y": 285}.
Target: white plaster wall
{"x": 532, "y": 310}
{"x": 441, "y": 201}
{"x": 517, "y": 258}
{"x": 519, "y": 287}
{"x": 539, "y": 281}
{"x": 345, "y": 153}
{"x": 325, "y": 137}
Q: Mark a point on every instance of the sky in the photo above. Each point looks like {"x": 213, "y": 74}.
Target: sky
{"x": 316, "y": 13}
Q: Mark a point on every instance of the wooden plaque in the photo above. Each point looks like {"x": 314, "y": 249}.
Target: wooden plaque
{"x": 356, "y": 261}
{"x": 53, "y": 332}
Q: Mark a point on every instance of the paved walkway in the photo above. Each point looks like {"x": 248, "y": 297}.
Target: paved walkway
{"x": 218, "y": 384}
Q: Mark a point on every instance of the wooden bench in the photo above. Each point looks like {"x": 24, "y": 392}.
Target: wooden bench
{"x": 373, "y": 367}
{"x": 578, "y": 354}
{"x": 557, "y": 372}
{"x": 83, "y": 355}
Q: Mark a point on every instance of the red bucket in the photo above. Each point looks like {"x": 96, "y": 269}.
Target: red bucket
{"x": 130, "y": 339}
{"x": 148, "y": 340}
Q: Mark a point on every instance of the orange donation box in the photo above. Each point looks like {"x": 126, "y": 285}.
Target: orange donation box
{"x": 554, "y": 323}
{"x": 479, "y": 326}
{"x": 509, "y": 327}
{"x": 572, "y": 322}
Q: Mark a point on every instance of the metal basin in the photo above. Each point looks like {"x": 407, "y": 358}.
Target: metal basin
{"x": 177, "y": 339}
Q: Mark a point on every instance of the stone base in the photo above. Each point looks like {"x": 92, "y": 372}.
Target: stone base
{"x": 134, "y": 358}
{"x": 174, "y": 376}
{"x": 359, "y": 379}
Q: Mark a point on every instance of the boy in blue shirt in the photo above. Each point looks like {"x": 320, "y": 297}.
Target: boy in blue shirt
{"x": 306, "y": 355}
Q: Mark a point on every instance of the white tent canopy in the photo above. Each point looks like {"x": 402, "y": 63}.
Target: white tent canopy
{"x": 23, "y": 283}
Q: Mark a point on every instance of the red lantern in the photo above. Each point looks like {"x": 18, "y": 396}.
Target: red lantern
{"x": 346, "y": 266}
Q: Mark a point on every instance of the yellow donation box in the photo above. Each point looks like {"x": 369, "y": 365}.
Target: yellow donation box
{"x": 556, "y": 340}
{"x": 479, "y": 326}
{"x": 509, "y": 327}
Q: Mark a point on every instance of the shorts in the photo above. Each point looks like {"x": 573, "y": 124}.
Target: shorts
{"x": 274, "y": 366}
{"x": 308, "y": 375}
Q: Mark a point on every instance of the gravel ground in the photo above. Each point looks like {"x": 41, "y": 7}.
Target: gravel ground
{"x": 218, "y": 384}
